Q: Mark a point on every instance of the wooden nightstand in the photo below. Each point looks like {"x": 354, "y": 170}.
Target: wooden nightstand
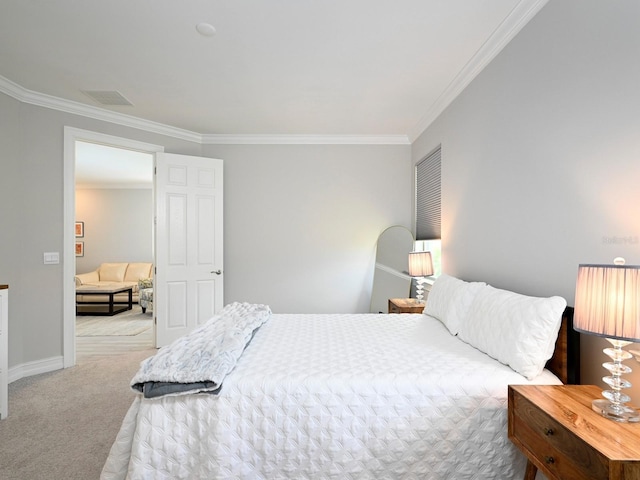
{"x": 559, "y": 433}
{"x": 405, "y": 305}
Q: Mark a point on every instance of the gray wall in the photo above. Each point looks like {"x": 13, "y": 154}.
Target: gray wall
{"x": 117, "y": 226}
{"x": 300, "y": 221}
{"x": 541, "y": 158}
{"x": 11, "y": 214}
{"x": 32, "y": 214}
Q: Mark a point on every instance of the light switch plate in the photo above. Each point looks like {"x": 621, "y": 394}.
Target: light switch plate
{"x": 51, "y": 258}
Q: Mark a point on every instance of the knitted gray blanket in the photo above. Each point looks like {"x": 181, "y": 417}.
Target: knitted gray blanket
{"x": 199, "y": 361}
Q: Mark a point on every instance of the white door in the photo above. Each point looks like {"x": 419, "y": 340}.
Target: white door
{"x": 188, "y": 283}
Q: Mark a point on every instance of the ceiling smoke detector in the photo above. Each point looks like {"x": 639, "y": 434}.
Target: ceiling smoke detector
{"x": 206, "y": 29}
{"x": 107, "y": 97}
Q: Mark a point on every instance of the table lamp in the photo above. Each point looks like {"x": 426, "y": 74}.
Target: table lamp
{"x": 420, "y": 266}
{"x": 608, "y": 305}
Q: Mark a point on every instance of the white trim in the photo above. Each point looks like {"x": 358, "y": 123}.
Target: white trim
{"x": 68, "y": 250}
{"x": 48, "y": 101}
{"x": 515, "y": 21}
{"x": 71, "y": 136}
{"x": 218, "y": 139}
{"x": 35, "y": 368}
{"x": 113, "y": 141}
{"x": 12, "y": 89}
{"x": 4, "y": 353}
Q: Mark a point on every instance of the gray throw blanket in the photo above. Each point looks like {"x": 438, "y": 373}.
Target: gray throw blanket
{"x": 200, "y": 360}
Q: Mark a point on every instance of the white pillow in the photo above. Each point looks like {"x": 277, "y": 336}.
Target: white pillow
{"x": 517, "y": 330}
{"x": 449, "y": 300}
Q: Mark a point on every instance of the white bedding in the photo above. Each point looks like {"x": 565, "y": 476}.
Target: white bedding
{"x": 334, "y": 396}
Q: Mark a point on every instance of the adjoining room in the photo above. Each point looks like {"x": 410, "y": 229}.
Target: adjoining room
{"x": 114, "y": 249}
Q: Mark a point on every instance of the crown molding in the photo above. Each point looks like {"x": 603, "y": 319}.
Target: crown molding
{"x": 10, "y": 88}
{"x": 521, "y": 14}
{"x": 217, "y": 139}
{"x": 48, "y": 101}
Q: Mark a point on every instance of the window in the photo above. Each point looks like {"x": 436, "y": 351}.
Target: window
{"x": 428, "y": 207}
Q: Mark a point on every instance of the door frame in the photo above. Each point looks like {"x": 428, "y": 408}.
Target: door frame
{"x": 71, "y": 136}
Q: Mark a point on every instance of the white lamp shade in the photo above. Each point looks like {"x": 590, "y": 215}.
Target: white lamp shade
{"x": 420, "y": 264}
{"x": 608, "y": 301}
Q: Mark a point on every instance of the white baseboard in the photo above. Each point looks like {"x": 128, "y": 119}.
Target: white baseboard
{"x": 35, "y": 368}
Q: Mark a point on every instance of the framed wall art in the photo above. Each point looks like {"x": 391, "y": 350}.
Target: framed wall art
{"x": 79, "y": 229}
{"x": 79, "y": 249}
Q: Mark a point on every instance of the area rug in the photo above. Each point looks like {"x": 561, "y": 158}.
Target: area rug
{"x": 123, "y": 324}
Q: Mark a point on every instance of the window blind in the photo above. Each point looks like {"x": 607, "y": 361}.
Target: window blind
{"x": 428, "y": 208}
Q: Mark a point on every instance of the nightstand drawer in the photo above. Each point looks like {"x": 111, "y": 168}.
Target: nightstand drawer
{"x": 405, "y": 305}
{"x": 556, "y": 450}
{"x": 393, "y": 308}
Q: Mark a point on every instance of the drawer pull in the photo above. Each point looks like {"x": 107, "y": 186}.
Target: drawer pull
{"x": 548, "y": 431}
{"x": 549, "y": 460}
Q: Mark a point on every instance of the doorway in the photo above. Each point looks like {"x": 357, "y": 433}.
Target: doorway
{"x": 72, "y": 138}
{"x": 114, "y": 223}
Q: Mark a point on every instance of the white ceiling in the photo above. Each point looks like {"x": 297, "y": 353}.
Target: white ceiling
{"x": 378, "y": 70}
{"x": 279, "y": 67}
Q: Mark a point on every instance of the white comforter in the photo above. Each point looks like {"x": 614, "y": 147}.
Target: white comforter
{"x": 334, "y": 396}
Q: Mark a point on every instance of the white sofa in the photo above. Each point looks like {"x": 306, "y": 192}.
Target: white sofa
{"x": 115, "y": 274}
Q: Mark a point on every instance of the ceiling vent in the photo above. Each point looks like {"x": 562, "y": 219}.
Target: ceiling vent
{"x": 107, "y": 97}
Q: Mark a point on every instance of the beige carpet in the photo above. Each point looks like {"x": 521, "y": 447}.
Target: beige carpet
{"x": 124, "y": 324}
{"x": 62, "y": 424}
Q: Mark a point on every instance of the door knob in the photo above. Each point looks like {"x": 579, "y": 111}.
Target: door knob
{"x": 217, "y": 272}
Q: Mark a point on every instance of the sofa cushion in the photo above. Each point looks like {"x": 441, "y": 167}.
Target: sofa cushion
{"x": 112, "y": 272}
{"x": 136, "y": 271}
{"x": 87, "y": 278}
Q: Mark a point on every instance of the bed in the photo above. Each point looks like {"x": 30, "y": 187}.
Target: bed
{"x": 364, "y": 396}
